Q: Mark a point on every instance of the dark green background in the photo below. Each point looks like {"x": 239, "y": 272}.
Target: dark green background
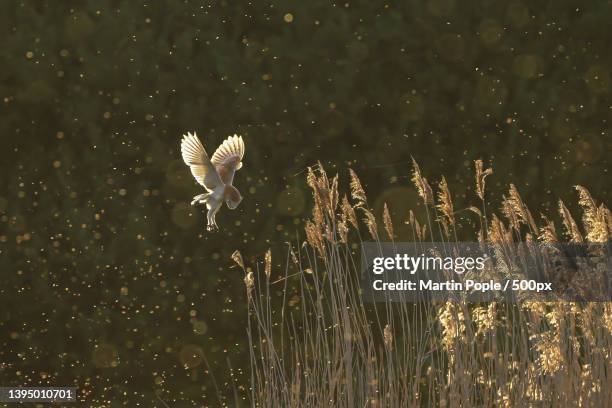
{"x": 109, "y": 280}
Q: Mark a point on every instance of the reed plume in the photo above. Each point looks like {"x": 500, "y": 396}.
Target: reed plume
{"x": 516, "y": 205}
{"x": 237, "y": 258}
{"x": 593, "y": 218}
{"x": 268, "y": 263}
{"x": 387, "y": 222}
{"x": 348, "y": 213}
{"x": 423, "y": 187}
{"x": 370, "y": 221}
{"x": 481, "y": 175}
{"x": 357, "y": 191}
{"x": 571, "y": 228}
{"x": 445, "y": 202}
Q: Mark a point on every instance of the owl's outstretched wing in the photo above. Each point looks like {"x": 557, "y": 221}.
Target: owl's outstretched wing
{"x": 196, "y": 158}
{"x": 228, "y": 158}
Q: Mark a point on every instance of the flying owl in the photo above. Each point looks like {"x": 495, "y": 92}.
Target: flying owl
{"x": 216, "y": 174}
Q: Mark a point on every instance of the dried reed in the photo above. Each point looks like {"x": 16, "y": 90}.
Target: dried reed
{"x": 325, "y": 347}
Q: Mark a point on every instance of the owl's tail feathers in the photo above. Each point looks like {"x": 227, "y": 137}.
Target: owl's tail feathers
{"x": 200, "y": 199}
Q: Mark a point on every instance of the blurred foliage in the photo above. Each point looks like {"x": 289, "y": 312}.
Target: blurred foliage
{"x": 109, "y": 279}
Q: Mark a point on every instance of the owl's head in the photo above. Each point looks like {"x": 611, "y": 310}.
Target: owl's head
{"x": 232, "y": 197}
{"x": 232, "y": 204}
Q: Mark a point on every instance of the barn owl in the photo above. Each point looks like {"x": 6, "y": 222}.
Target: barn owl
{"x": 215, "y": 174}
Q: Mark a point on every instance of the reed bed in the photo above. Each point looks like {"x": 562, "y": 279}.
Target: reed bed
{"x": 326, "y": 347}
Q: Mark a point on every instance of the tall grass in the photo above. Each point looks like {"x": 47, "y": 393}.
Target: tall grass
{"x": 328, "y": 348}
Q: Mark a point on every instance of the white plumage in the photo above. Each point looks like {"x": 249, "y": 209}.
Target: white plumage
{"x": 216, "y": 175}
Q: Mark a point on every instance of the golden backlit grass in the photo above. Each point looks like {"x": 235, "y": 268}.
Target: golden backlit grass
{"x": 326, "y": 347}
